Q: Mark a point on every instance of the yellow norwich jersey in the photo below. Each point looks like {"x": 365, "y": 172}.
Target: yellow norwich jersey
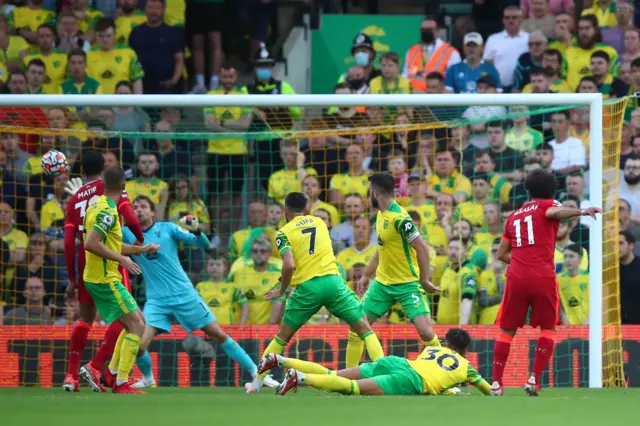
{"x": 16, "y": 240}
{"x": 51, "y": 212}
{"x": 427, "y": 211}
{"x": 333, "y": 212}
{"x": 15, "y": 47}
{"x": 196, "y": 208}
{"x": 456, "y": 183}
{"x": 578, "y": 62}
{"x": 398, "y": 261}
{"x": 307, "y": 237}
{"x": 110, "y": 68}
{"x": 102, "y": 217}
{"x": 441, "y": 369}
{"x": 347, "y": 184}
{"x": 558, "y": 259}
{"x": 55, "y": 69}
{"x": 174, "y": 13}
{"x": 606, "y": 15}
{"x": 559, "y": 85}
{"x": 31, "y": 19}
{"x": 501, "y": 188}
{"x": 224, "y": 113}
{"x": 224, "y": 299}
{"x": 471, "y": 211}
{"x": 254, "y": 285}
{"x": 151, "y": 188}
{"x": 125, "y": 24}
{"x": 351, "y": 256}
{"x": 91, "y": 16}
{"x": 492, "y": 284}
{"x": 455, "y": 284}
{"x": 484, "y": 239}
{"x": 285, "y": 181}
{"x": 574, "y": 296}
{"x": 523, "y": 141}
{"x": 399, "y": 86}
{"x": 239, "y": 239}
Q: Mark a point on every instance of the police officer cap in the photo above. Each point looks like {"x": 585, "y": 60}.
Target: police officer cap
{"x": 263, "y": 57}
{"x": 362, "y": 40}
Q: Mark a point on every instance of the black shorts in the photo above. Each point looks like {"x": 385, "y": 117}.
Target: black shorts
{"x": 226, "y": 170}
{"x": 203, "y": 17}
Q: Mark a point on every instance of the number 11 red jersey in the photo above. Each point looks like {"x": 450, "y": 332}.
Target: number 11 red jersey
{"x": 533, "y": 239}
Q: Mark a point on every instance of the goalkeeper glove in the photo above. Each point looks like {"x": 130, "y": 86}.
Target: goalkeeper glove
{"x": 73, "y": 185}
{"x": 190, "y": 223}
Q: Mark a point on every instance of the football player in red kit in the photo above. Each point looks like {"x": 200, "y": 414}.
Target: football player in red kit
{"x": 81, "y": 199}
{"x": 527, "y": 246}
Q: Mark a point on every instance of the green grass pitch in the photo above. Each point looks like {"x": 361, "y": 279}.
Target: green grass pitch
{"x": 232, "y": 407}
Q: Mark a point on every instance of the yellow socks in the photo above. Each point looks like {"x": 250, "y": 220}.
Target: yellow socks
{"x": 128, "y": 355}
{"x": 433, "y": 342}
{"x": 331, "y": 383}
{"x": 374, "y": 348}
{"x": 114, "y": 364}
{"x": 306, "y": 366}
{"x": 355, "y": 347}
{"x": 276, "y": 346}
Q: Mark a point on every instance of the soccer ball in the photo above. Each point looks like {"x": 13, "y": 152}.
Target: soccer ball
{"x": 53, "y": 163}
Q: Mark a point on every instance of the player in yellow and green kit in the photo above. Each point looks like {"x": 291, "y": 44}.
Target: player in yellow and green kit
{"x": 436, "y": 371}
{"x": 309, "y": 265}
{"x": 104, "y": 253}
{"x": 400, "y": 266}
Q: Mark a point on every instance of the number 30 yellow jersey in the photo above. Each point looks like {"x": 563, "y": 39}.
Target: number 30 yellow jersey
{"x": 307, "y": 237}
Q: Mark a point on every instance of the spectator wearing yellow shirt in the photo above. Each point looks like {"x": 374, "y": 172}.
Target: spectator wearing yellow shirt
{"x": 354, "y": 181}
{"x": 290, "y": 178}
{"x": 182, "y": 202}
{"x": 604, "y": 11}
{"x": 256, "y": 214}
{"x": 227, "y": 158}
{"x": 483, "y": 238}
{"x": 52, "y": 210}
{"x": 564, "y": 29}
{"x": 552, "y": 65}
{"x": 501, "y": 187}
{"x": 128, "y": 17}
{"x": 25, "y": 20}
{"x": 578, "y": 57}
{"x": 418, "y": 200}
{"x": 225, "y": 300}
{"x": 363, "y": 249}
{"x": 354, "y": 207}
{"x": 15, "y": 238}
{"x": 491, "y": 285}
{"x": 447, "y": 179}
{"x": 13, "y": 49}
{"x": 79, "y": 83}
{"x": 610, "y": 86}
{"x": 311, "y": 188}
{"x": 147, "y": 183}
{"x": 390, "y": 83}
{"x": 473, "y": 209}
{"x": 562, "y": 242}
{"x": 111, "y": 63}
{"x": 255, "y": 280}
{"x": 522, "y": 137}
{"x": 86, "y": 18}
{"x": 580, "y": 126}
{"x": 458, "y": 286}
{"x": 573, "y": 286}
{"x": 275, "y": 215}
{"x": 55, "y": 60}
{"x": 35, "y": 76}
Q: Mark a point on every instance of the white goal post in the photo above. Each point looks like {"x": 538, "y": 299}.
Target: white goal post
{"x": 593, "y": 100}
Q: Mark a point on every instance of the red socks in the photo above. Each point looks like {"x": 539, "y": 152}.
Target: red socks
{"x": 107, "y": 346}
{"x": 544, "y": 350}
{"x": 500, "y": 355}
{"x": 79, "y": 337}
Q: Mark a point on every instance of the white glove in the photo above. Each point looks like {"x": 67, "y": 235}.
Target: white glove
{"x": 190, "y": 223}
{"x": 73, "y": 185}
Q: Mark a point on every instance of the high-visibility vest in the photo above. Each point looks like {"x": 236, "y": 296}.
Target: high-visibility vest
{"x": 418, "y": 70}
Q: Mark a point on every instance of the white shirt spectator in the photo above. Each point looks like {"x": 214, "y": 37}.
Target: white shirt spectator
{"x": 631, "y": 193}
{"x": 484, "y": 112}
{"x": 569, "y": 153}
{"x": 504, "y": 51}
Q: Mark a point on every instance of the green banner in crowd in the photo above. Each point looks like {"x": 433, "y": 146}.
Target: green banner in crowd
{"x": 331, "y": 44}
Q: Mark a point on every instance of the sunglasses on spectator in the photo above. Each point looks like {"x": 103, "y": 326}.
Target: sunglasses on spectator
{"x": 510, "y": 17}
{"x": 259, "y": 251}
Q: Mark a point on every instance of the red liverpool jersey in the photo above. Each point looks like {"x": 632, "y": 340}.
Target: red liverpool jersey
{"x": 81, "y": 200}
{"x": 533, "y": 238}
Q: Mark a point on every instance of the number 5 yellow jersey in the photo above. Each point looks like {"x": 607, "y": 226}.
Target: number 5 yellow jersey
{"x": 307, "y": 237}
{"x": 441, "y": 369}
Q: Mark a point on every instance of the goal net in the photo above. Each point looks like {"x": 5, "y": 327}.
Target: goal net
{"x": 459, "y": 163}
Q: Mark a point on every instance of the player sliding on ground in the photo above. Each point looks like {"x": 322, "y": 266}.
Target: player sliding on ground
{"x": 104, "y": 252}
{"x": 170, "y": 293}
{"x": 400, "y": 266}
{"x": 309, "y": 265}
{"x": 527, "y": 246}
{"x": 81, "y": 197}
{"x": 435, "y": 371}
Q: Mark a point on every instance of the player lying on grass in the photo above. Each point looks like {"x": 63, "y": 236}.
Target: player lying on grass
{"x": 170, "y": 293}
{"x": 309, "y": 265}
{"x": 528, "y": 246}
{"x": 434, "y": 372}
{"x": 104, "y": 253}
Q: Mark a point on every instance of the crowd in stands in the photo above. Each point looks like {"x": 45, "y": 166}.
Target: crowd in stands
{"x": 459, "y": 171}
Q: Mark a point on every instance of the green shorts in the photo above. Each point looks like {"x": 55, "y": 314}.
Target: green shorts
{"x": 329, "y": 291}
{"x": 394, "y": 376}
{"x": 112, "y": 300}
{"x": 379, "y": 298}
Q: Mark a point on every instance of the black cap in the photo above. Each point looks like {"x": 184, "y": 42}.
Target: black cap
{"x": 263, "y": 57}
{"x": 362, "y": 40}
{"x": 488, "y": 80}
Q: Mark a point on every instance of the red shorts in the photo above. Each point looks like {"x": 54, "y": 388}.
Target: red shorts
{"x": 541, "y": 294}
{"x": 83, "y": 294}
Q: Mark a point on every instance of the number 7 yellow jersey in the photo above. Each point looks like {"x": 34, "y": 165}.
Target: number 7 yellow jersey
{"x": 307, "y": 237}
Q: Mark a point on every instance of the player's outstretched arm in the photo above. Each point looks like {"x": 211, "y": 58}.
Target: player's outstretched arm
{"x": 94, "y": 244}
{"x": 477, "y": 381}
{"x": 561, "y": 212}
{"x": 194, "y": 237}
{"x": 133, "y": 250}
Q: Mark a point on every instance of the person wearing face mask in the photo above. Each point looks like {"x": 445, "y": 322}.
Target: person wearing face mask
{"x": 363, "y": 54}
{"x": 274, "y": 119}
{"x": 429, "y": 55}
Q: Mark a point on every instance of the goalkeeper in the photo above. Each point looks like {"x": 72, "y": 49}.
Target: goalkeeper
{"x": 434, "y": 372}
